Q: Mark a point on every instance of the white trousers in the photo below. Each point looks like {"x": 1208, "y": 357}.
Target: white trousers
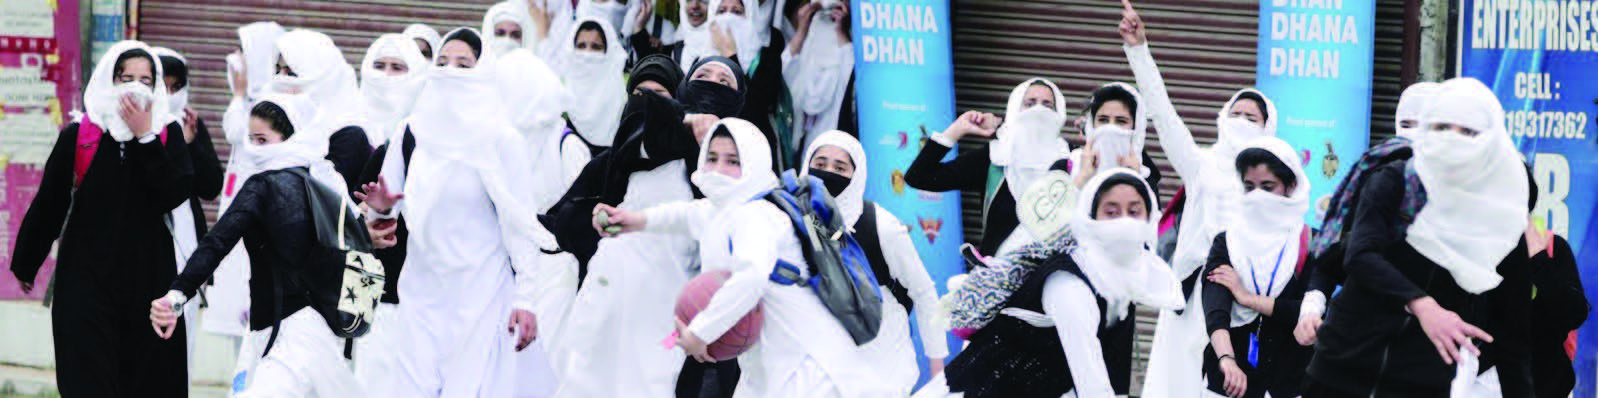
{"x": 307, "y": 360}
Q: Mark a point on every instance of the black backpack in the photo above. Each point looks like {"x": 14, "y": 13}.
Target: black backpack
{"x": 342, "y": 279}
{"x": 840, "y": 273}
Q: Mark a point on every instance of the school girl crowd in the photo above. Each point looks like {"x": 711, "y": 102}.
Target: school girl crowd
{"x": 539, "y": 191}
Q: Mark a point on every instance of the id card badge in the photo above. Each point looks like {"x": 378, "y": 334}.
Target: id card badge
{"x": 1254, "y": 350}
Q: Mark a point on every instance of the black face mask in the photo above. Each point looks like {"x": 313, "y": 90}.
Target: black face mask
{"x": 701, "y": 96}
{"x": 835, "y": 183}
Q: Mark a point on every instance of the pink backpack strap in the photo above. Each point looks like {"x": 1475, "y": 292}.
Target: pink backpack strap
{"x": 88, "y": 142}
{"x": 1303, "y": 251}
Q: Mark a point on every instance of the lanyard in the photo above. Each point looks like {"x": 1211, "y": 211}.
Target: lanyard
{"x": 1253, "y": 277}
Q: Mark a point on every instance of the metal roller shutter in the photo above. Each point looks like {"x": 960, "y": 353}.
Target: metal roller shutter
{"x": 1388, "y": 72}
{"x": 205, "y": 32}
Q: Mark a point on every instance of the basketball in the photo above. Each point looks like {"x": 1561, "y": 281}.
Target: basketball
{"x": 696, "y": 295}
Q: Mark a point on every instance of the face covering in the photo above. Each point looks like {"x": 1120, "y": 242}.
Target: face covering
{"x": 1269, "y": 214}
{"x": 1112, "y": 142}
{"x": 1236, "y": 131}
{"x": 743, "y": 37}
{"x": 701, "y": 96}
{"x": 503, "y": 44}
{"x": 835, "y": 182}
{"x": 715, "y": 185}
{"x": 1121, "y": 239}
{"x": 112, "y": 118}
{"x": 1410, "y": 105}
{"x": 1451, "y": 150}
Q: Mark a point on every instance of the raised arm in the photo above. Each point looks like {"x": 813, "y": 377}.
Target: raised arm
{"x": 1175, "y": 138}
{"x": 968, "y": 171}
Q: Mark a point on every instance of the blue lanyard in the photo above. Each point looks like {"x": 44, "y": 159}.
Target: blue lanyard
{"x": 1253, "y": 277}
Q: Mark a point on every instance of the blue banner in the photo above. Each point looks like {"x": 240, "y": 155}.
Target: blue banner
{"x": 1315, "y": 61}
{"x": 904, "y": 85}
{"x": 1539, "y": 57}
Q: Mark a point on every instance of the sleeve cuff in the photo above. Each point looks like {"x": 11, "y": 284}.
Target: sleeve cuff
{"x": 1314, "y": 305}
{"x": 374, "y": 215}
{"x": 148, "y": 138}
{"x": 943, "y": 138}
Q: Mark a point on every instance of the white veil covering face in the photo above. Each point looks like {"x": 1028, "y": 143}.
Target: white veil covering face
{"x": 1268, "y": 231}
{"x": 1112, "y": 142}
{"x": 742, "y": 29}
{"x": 102, "y": 96}
{"x": 298, "y": 149}
{"x": 389, "y": 99}
{"x": 258, "y": 42}
{"x": 822, "y": 74}
{"x": 611, "y": 11}
{"x": 180, "y": 99}
{"x": 754, "y": 156}
{"x": 1117, "y": 255}
{"x": 1476, "y": 187}
{"x": 325, "y": 78}
{"x": 514, "y": 12}
{"x": 1029, "y": 141}
{"x": 535, "y": 100}
{"x": 596, "y": 111}
{"x": 1410, "y": 106}
{"x": 1235, "y": 133}
{"x": 852, "y": 200}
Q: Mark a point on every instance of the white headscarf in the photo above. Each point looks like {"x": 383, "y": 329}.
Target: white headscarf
{"x": 102, "y": 96}
{"x": 601, "y": 81}
{"x": 1029, "y": 141}
{"x": 1117, "y": 256}
{"x": 754, "y": 156}
{"x": 825, "y": 63}
{"x": 259, "y": 44}
{"x": 535, "y": 99}
{"x": 177, "y": 101}
{"x": 514, "y": 12}
{"x": 325, "y": 78}
{"x": 388, "y": 99}
{"x": 611, "y": 11}
{"x": 1111, "y": 141}
{"x": 743, "y": 32}
{"x": 1476, "y": 187}
{"x": 1263, "y": 240}
{"x": 852, "y": 200}
{"x": 1410, "y": 106}
{"x": 1235, "y": 133}
{"x": 425, "y": 33}
{"x": 298, "y": 150}
{"x": 695, "y": 39}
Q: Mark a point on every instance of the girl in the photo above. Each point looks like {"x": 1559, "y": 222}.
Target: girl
{"x": 1212, "y": 187}
{"x": 1561, "y": 306}
{"x": 510, "y": 27}
{"x": 392, "y": 72}
{"x": 1024, "y": 148}
{"x": 1113, "y": 126}
{"x": 468, "y": 272}
{"x": 1250, "y": 320}
{"x": 1420, "y": 281}
{"x": 696, "y": 37}
{"x": 839, "y": 161}
{"x": 1102, "y": 258}
{"x": 624, "y": 305}
{"x": 249, "y": 74}
{"x": 802, "y": 350}
{"x": 819, "y": 69}
{"x": 272, "y": 215}
{"x": 590, "y": 58}
{"x": 310, "y": 64}
{"x": 109, "y": 183}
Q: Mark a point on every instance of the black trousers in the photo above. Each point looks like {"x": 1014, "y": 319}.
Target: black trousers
{"x": 105, "y": 346}
{"x": 707, "y": 380}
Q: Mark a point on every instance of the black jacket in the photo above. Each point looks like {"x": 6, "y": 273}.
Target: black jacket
{"x": 114, "y": 241}
{"x": 393, "y": 258}
{"x": 1281, "y": 358}
{"x": 967, "y": 172}
{"x": 1371, "y": 345}
{"x": 348, "y": 149}
{"x": 207, "y": 173}
{"x": 1561, "y": 306}
{"x": 271, "y": 214}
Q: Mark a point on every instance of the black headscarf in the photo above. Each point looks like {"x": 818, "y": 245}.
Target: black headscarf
{"x": 713, "y": 98}
{"x": 465, "y": 35}
{"x": 657, "y": 68}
